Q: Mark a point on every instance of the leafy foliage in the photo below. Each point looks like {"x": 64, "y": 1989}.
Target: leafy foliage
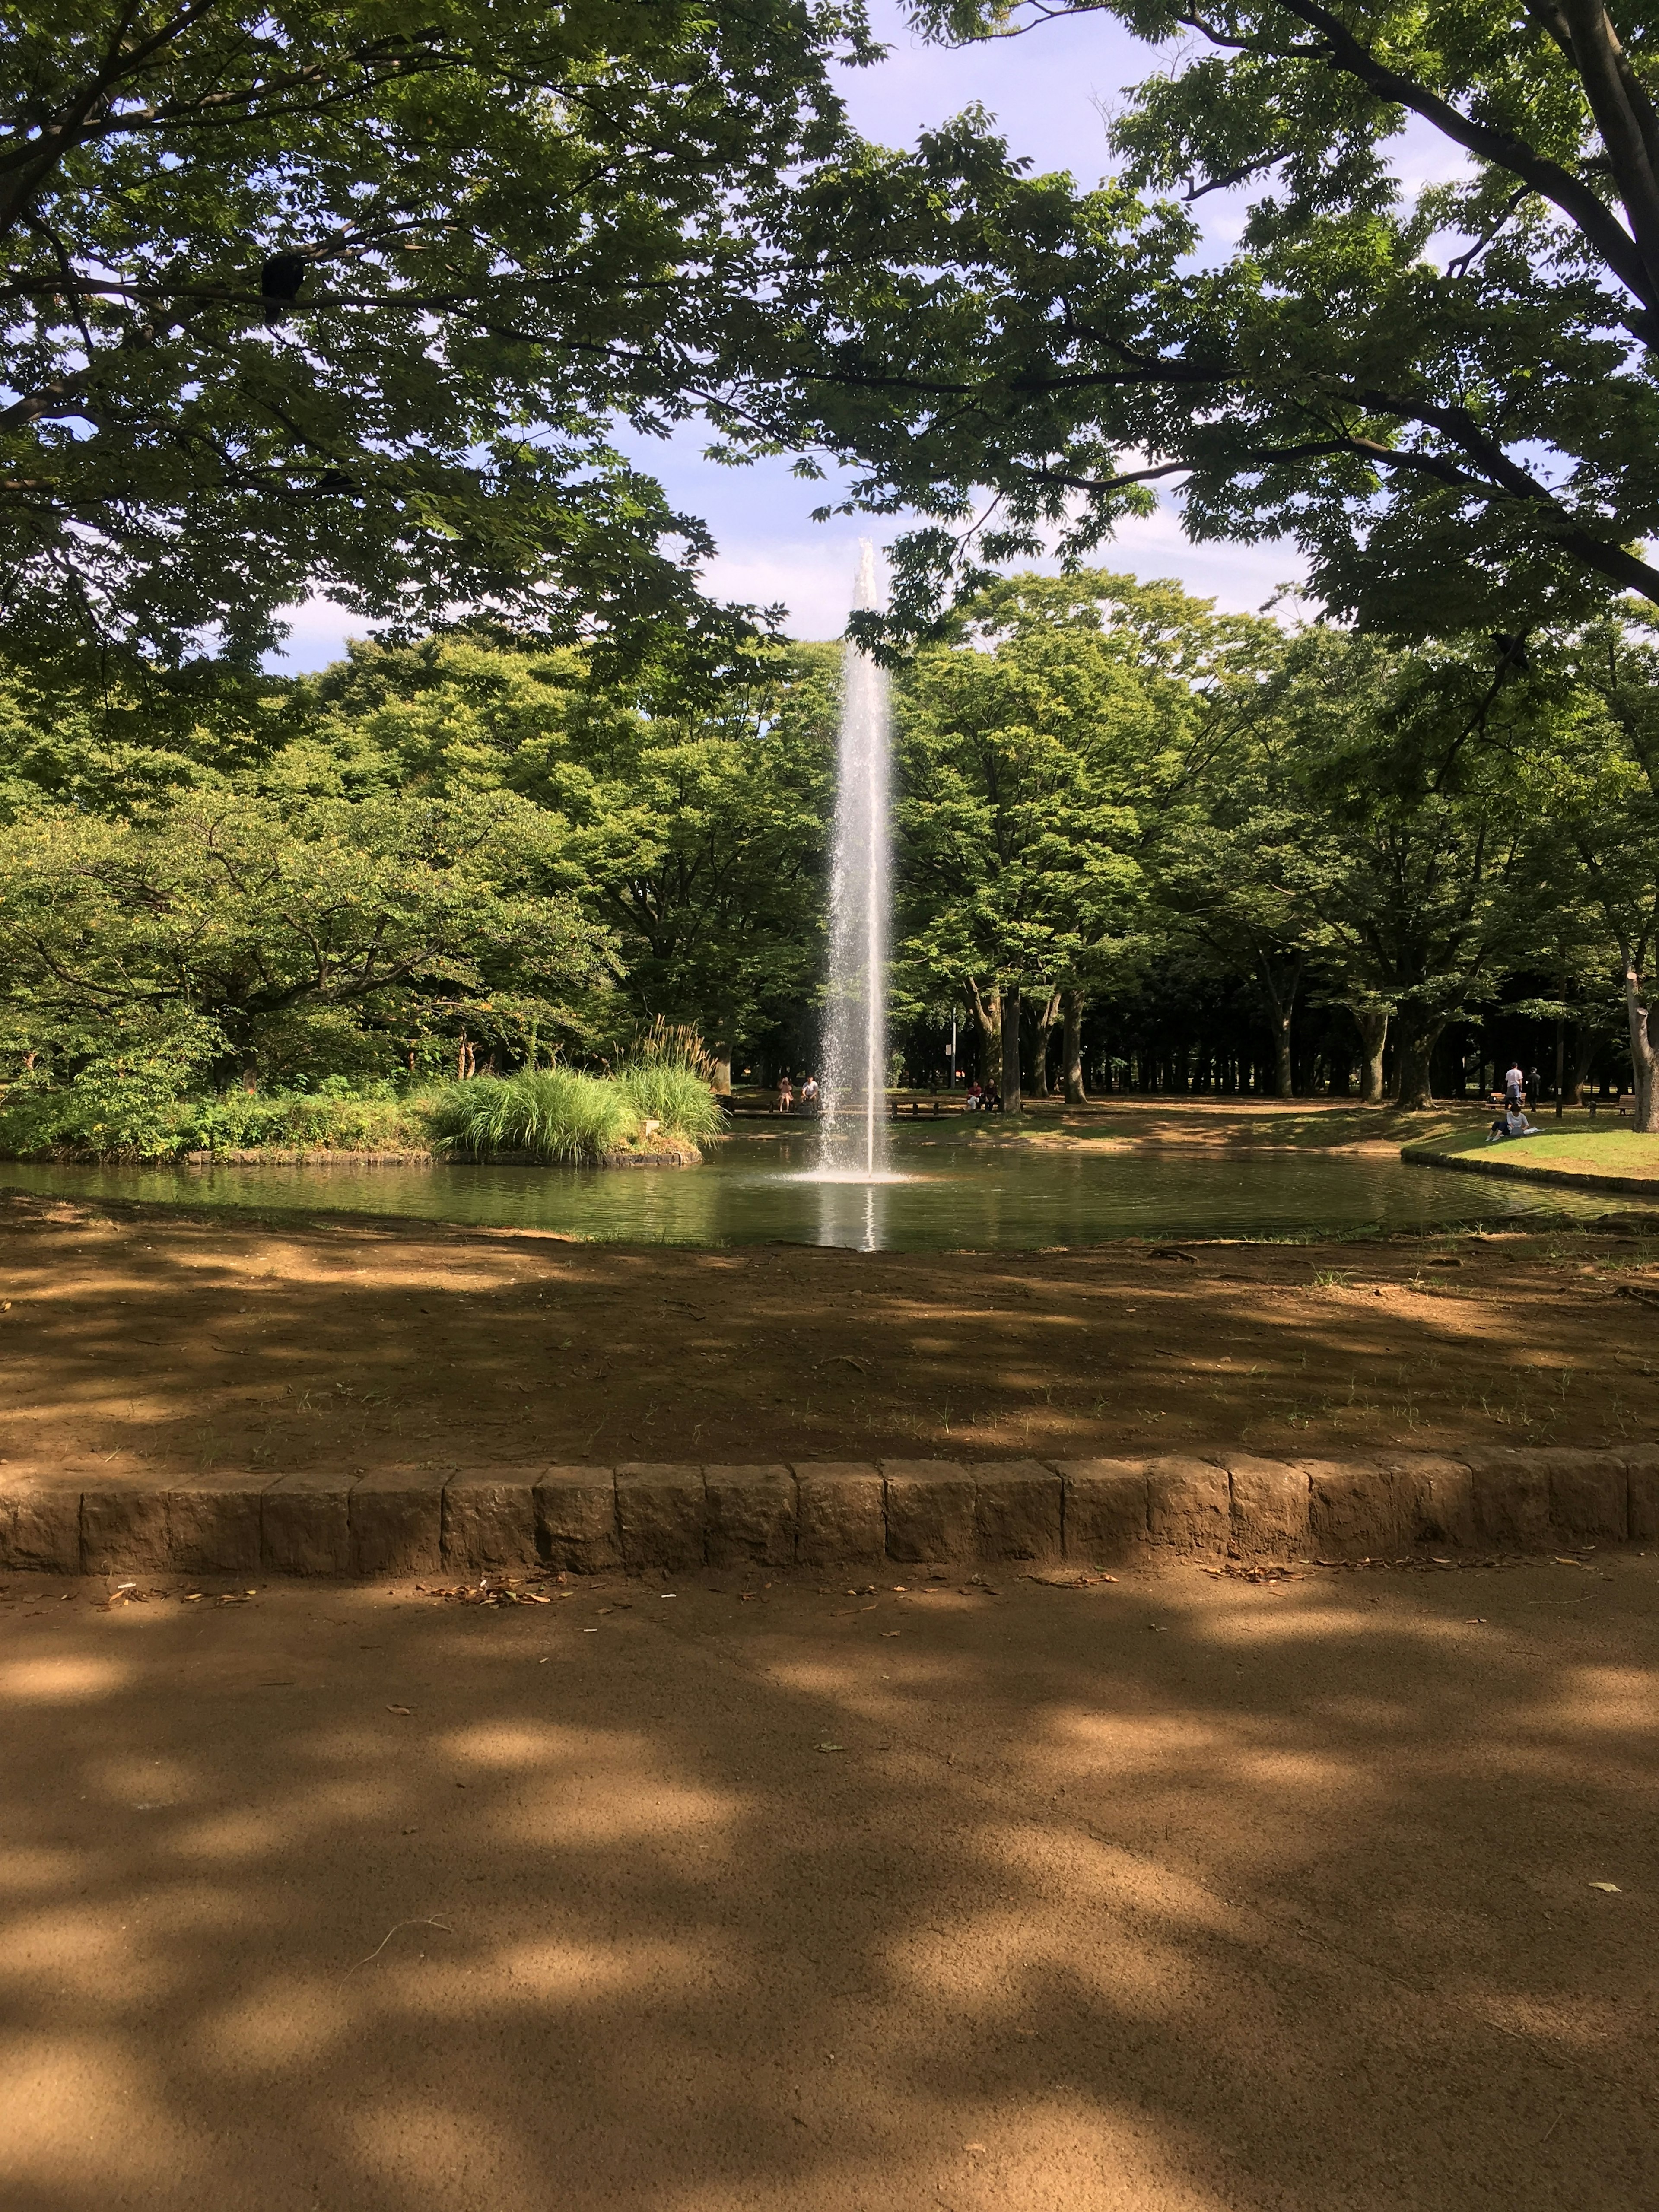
{"x": 332, "y": 296}
{"x": 275, "y": 928}
{"x": 1445, "y": 393}
{"x": 132, "y": 1110}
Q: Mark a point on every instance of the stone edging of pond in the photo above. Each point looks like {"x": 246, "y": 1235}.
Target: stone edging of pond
{"x": 1476, "y": 1164}
{"x": 907, "y": 1513}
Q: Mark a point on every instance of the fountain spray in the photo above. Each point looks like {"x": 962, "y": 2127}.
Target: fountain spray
{"x": 854, "y": 1142}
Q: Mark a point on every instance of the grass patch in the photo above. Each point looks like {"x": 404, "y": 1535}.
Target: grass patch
{"x": 560, "y": 1116}
{"x": 1624, "y": 1152}
{"x": 554, "y": 1114}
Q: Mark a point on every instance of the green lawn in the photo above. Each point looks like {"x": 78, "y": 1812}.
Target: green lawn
{"x": 1607, "y": 1151}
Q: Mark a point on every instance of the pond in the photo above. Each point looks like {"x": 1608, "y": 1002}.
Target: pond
{"x": 957, "y": 1188}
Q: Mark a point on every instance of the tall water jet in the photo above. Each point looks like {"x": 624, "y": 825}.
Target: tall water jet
{"x": 854, "y": 1138}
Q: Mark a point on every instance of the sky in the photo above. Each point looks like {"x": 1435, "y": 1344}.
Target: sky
{"x": 1051, "y": 92}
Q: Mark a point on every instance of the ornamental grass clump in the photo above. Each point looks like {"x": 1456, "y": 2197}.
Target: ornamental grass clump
{"x": 552, "y": 1114}
{"x": 673, "y": 1095}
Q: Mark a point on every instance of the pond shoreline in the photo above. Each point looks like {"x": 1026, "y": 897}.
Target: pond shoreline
{"x": 1418, "y": 1156}
{"x": 287, "y": 1157}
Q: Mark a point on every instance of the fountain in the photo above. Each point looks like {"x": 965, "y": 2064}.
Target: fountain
{"x": 853, "y": 1147}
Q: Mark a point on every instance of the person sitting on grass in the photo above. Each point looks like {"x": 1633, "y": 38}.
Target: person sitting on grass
{"x": 1511, "y": 1122}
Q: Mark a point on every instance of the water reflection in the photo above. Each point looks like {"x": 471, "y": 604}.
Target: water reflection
{"x": 951, "y": 1189}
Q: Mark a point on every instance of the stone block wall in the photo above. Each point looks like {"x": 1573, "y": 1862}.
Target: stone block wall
{"x": 828, "y": 1515}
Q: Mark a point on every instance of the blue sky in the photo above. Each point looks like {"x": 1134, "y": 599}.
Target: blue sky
{"x": 1050, "y": 91}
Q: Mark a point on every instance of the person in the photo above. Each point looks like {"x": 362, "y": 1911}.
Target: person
{"x": 785, "y": 1097}
{"x": 809, "y": 1095}
{"x": 1511, "y": 1122}
{"x": 973, "y": 1096}
{"x": 1514, "y": 1088}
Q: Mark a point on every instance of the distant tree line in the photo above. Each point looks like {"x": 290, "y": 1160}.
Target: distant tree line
{"x": 1140, "y": 846}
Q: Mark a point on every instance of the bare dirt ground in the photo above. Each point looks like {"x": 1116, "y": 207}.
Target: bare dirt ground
{"x": 152, "y": 1342}
{"x": 1161, "y": 1895}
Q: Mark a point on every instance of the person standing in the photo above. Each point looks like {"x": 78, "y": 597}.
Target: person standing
{"x": 1514, "y": 1088}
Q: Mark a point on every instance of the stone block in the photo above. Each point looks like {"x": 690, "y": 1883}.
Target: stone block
{"x": 930, "y": 1510}
{"x": 396, "y": 1517}
{"x": 304, "y": 1525}
{"x": 1511, "y": 1499}
{"x": 662, "y": 1513}
{"x": 214, "y": 1524}
{"x": 1105, "y": 1516}
{"x": 1269, "y": 1505}
{"x": 1017, "y": 1511}
{"x": 750, "y": 1515}
{"x": 1436, "y": 1497}
{"x": 1587, "y": 1494}
{"x": 489, "y": 1522}
{"x": 576, "y": 1519}
{"x": 1642, "y": 1479}
{"x": 124, "y": 1528}
{"x": 1360, "y": 1508}
{"x": 841, "y": 1517}
{"x": 1188, "y": 1504}
{"x": 39, "y": 1523}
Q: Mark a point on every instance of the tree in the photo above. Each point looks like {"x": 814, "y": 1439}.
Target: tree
{"x": 1597, "y": 785}
{"x": 1033, "y": 749}
{"x": 1413, "y": 865}
{"x": 690, "y": 828}
{"x": 333, "y": 296}
{"x": 1445, "y": 395}
{"x": 227, "y": 933}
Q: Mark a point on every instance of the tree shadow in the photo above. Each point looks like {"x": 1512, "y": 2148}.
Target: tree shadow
{"x": 1155, "y": 1893}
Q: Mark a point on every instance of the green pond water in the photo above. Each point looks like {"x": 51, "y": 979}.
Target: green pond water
{"x": 961, "y": 1188}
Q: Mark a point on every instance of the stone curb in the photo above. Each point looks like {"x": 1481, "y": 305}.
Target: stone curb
{"x": 829, "y": 1514}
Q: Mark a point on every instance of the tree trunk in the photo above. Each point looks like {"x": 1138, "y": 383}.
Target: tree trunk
{"x": 1644, "y": 1051}
{"x": 1413, "y": 1051}
{"x": 988, "y": 1018}
{"x": 1279, "y": 991}
{"x": 1009, "y": 1085}
{"x": 1071, "y": 1048}
{"x": 720, "y": 1083}
{"x": 1373, "y": 1027}
{"x": 1045, "y": 1021}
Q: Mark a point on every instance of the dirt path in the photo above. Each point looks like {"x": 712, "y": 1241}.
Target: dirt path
{"x": 149, "y": 1342}
{"x": 1160, "y": 1895}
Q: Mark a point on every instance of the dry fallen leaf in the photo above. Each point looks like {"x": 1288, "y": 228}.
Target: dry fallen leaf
{"x": 400, "y": 1709}
{"x": 1610, "y": 1888}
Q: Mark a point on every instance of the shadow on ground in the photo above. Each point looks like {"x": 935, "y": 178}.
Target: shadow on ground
{"x": 1155, "y": 1893}
{"x": 161, "y": 1344}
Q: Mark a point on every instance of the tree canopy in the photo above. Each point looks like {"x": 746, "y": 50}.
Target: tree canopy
{"x": 329, "y": 297}
{"x": 1444, "y": 392}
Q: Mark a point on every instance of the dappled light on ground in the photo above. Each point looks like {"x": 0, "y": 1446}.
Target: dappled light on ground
{"x": 1166, "y": 1892}
{"x": 179, "y": 1346}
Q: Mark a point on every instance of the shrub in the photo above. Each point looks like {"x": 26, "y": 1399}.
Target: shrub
{"x": 133, "y": 1113}
{"x": 552, "y": 1114}
{"x": 110, "y": 1107}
